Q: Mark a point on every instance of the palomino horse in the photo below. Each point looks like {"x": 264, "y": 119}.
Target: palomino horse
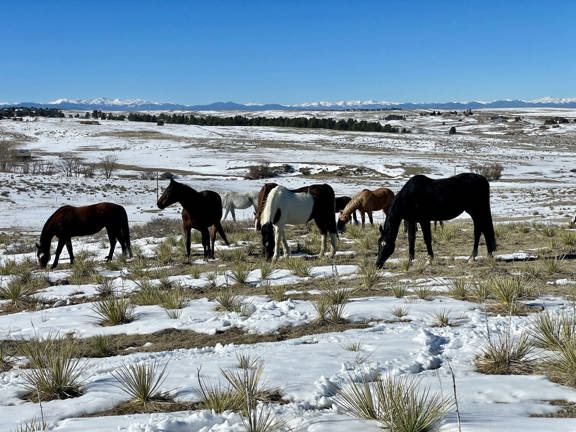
{"x": 69, "y": 221}
{"x": 200, "y": 210}
{"x": 366, "y": 201}
{"x": 341, "y": 202}
{"x": 423, "y": 199}
{"x": 286, "y": 207}
{"x": 237, "y": 200}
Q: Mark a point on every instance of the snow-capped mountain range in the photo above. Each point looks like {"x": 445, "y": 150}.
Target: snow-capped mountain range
{"x": 143, "y": 105}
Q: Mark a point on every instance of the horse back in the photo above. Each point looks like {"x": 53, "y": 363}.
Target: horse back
{"x": 69, "y": 221}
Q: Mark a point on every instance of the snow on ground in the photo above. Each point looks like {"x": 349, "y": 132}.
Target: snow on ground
{"x": 537, "y": 185}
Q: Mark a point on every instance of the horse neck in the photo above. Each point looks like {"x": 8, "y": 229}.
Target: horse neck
{"x": 188, "y": 196}
{"x": 350, "y": 208}
{"x": 270, "y": 206}
{"x": 392, "y": 225}
{"x": 46, "y": 236}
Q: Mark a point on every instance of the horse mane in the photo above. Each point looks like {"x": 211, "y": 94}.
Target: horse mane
{"x": 352, "y": 206}
{"x": 270, "y": 205}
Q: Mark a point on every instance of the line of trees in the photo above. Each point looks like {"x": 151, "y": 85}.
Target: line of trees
{"x": 9, "y": 112}
{"x": 238, "y": 120}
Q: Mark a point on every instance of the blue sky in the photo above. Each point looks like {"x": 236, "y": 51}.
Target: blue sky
{"x": 287, "y": 51}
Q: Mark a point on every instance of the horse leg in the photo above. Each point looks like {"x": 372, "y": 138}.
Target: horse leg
{"x": 477, "y": 233}
{"x": 226, "y": 212}
{"x": 276, "y": 243}
{"x": 187, "y": 233}
{"x": 332, "y": 244}
{"x": 233, "y": 213}
{"x": 322, "y": 244}
{"x": 61, "y": 243}
{"x": 370, "y": 218}
{"x": 112, "y": 239}
{"x": 285, "y": 243}
{"x": 354, "y": 217}
{"x": 411, "y": 240}
{"x": 69, "y": 249}
{"x": 427, "y": 239}
{"x": 362, "y": 217}
{"x": 205, "y": 242}
{"x": 212, "y": 239}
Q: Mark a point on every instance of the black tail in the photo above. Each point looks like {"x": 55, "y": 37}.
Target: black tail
{"x": 222, "y": 233}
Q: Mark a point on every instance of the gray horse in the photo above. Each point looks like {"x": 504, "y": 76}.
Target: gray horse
{"x": 238, "y": 200}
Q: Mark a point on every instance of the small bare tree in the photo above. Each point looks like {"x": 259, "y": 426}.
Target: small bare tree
{"x": 108, "y": 165}
{"x": 69, "y": 166}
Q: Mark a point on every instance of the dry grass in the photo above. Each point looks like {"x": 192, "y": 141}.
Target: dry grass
{"x": 506, "y": 355}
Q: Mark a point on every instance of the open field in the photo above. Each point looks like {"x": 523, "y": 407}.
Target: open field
{"x": 314, "y": 324}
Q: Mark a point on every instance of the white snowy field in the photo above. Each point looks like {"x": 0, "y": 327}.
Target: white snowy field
{"x": 537, "y": 186}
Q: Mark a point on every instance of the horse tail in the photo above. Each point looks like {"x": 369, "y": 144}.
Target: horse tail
{"x": 220, "y": 231}
{"x": 125, "y": 231}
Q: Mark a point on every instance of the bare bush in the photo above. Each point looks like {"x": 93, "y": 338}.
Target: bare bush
{"x": 260, "y": 171}
{"x": 492, "y": 171}
{"x": 108, "y": 165}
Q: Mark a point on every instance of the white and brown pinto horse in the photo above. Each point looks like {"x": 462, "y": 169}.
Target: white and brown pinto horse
{"x": 284, "y": 206}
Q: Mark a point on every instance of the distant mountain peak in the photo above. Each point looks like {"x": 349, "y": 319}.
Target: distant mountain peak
{"x": 116, "y": 104}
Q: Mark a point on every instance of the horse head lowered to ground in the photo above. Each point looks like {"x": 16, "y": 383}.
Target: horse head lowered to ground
{"x": 366, "y": 201}
{"x": 70, "y": 221}
{"x": 284, "y": 206}
{"x": 200, "y": 210}
{"x": 423, "y": 199}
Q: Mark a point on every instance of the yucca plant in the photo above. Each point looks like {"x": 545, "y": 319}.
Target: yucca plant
{"x": 55, "y": 369}
{"x": 328, "y": 312}
{"x": 246, "y": 361}
{"x": 506, "y": 355}
{"x": 6, "y": 360}
{"x": 300, "y": 267}
{"x": 277, "y": 292}
{"x": 266, "y": 270}
{"x": 114, "y": 311}
{"x": 228, "y": 301}
{"x": 248, "y": 383}
{"x": 441, "y": 318}
{"x": 568, "y": 238}
{"x": 553, "y": 266}
{"x": 459, "y": 289}
{"x": 217, "y": 397}
{"x": 164, "y": 253}
{"x": 399, "y": 291}
{"x": 480, "y": 290}
{"x": 239, "y": 272}
{"x": 561, "y": 364}
{"x": 141, "y": 381}
{"x": 174, "y": 298}
{"x": 552, "y": 331}
{"x": 353, "y": 346}
{"x": 423, "y": 293}
{"x": 399, "y": 404}
{"x": 369, "y": 275}
{"x": 400, "y": 312}
{"x": 508, "y": 290}
{"x": 260, "y": 418}
{"x": 15, "y": 292}
{"x": 147, "y": 294}
{"x": 195, "y": 271}
{"x": 105, "y": 288}
{"x": 103, "y": 345}
{"x": 83, "y": 269}
{"x": 32, "y": 425}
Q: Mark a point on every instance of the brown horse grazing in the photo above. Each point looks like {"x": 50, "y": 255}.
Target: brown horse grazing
{"x": 341, "y": 202}
{"x": 69, "y": 221}
{"x": 366, "y": 201}
{"x": 201, "y": 210}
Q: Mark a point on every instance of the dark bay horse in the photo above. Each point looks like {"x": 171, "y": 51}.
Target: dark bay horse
{"x": 366, "y": 201}
{"x": 423, "y": 199}
{"x": 69, "y": 221}
{"x": 200, "y": 210}
{"x": 284, "y": 206}
{"x": 341, "y": 202}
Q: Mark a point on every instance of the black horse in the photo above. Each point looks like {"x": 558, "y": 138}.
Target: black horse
{"x": 423, "y": 199}
{"x": 201, "y": 210}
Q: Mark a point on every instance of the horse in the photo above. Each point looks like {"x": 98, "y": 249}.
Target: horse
{"x": 340, "y": 204}
{"x": 70, "y": 221}
{"x": 200, "y": 210}
{"x": 284, "y": 206}
{"x": 366, "y": 201}
{"x": 237, "y": 200}
{"x": 423, "y": 199}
